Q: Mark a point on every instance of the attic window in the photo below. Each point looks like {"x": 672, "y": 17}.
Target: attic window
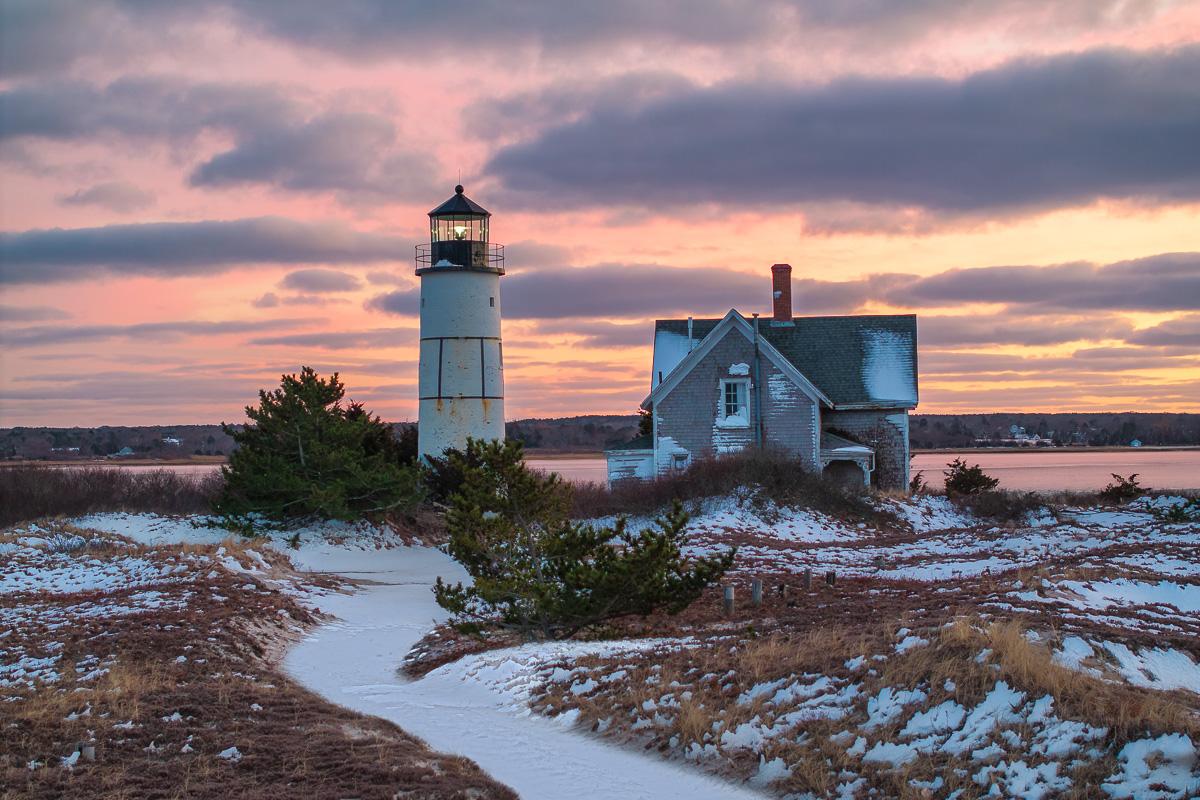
{"x": 734, "y": 407}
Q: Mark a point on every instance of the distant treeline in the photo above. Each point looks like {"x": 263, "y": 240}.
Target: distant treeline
{"x": 592, "y": 434}
{"x": 572, "y": 435}
{"x": 1028, "y": 429}
{"x": 69, "y": 444}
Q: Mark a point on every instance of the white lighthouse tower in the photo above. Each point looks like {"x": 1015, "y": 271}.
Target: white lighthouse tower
{"x": 461, "y": 375}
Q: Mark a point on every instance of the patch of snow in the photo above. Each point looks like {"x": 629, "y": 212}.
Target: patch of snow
{"x": 1156, "y": 768}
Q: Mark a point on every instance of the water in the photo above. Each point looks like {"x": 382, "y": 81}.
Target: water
{"x": 577, "y": 469}
{"x": 1035, "y": 470}
{"x": 1040, "y": 470}
{"x": 1078, "y": 470}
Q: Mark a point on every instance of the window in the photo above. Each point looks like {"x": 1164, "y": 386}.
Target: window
{"x": 734, "y": 411}
{"x": 733, "y": 399}
{"x": 492, "y": 302}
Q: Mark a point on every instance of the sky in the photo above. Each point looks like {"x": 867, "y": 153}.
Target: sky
{"x": 199, "y": 197}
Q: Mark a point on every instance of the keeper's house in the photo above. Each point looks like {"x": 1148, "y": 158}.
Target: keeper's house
{"x": 834, "y": 392}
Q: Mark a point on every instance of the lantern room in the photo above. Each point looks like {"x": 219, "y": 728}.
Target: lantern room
{"x": 458, "y": 237}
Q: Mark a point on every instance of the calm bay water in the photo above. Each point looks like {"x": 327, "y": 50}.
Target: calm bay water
{"x": 1025, "y": 471}
{"x": 1042, "y": 470}
{"x": 1050, "y": 470}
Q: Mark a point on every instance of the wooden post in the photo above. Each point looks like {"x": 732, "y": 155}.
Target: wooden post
{"x": 831, "y": 577}
{"x": 756, "y": 592}
{"x": 783, "y": 590}
{"x": 807, "y": 579}
{"x": 727, "y": 605}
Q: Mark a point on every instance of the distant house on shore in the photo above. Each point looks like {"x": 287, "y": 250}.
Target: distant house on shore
{"x": 833, "y": 392}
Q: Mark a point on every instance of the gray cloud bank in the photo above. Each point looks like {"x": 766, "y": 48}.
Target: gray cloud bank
{"x": 173, "y": 249}
{"x": 1032, "y": 134}
{"x": 145, "y": 331}
{"x": 278, "y": 141}
{"x": 1160, "y": 283}
{"x": 42, "y": 36}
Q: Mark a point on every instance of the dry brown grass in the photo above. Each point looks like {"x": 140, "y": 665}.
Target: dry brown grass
{"x": 948, "y": 668}
{"x": 293, "y": 743}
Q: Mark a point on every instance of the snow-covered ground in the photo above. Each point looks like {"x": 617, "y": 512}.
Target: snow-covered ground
{"x": 1113, "y": 595}
{"x": 478, "y": 706}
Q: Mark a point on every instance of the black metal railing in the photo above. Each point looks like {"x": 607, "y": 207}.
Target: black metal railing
{"x": 479, "y": 254}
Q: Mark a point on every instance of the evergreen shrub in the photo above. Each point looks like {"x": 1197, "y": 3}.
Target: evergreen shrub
{"x": 964, "y": 480}
{"x": 306, "y": 455}
{"x": 536, "y": 571}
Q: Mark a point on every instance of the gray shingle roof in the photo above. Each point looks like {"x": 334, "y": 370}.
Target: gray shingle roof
{"x": 853, "y": 360}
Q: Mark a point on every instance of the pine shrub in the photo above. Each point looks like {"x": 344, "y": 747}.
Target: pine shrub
{"x": 306, "y": 455}
{"x": 537, "y": 572}
{"x": 964, "y": 480}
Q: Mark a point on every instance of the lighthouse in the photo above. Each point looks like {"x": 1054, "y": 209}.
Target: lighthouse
{"x": 461, "y": 375}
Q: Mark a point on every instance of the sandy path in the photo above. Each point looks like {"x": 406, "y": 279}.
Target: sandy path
{"x": 353, "y": 662}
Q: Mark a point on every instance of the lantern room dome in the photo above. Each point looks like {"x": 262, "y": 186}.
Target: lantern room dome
{"x": 459, "y": 205}
{"x": 458, "y": 238}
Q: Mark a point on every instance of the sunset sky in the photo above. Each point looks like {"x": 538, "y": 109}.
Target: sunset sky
{"x": 200, "y": 196}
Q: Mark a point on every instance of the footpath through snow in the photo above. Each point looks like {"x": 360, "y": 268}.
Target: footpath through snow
{"x": 475, "y": 707}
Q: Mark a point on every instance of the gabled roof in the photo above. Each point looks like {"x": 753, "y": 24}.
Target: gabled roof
{"x": 733, "y": 321}
{"x": 857, "y": 362}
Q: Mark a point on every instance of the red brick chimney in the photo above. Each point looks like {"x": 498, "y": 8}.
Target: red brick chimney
{"x": 781, "y": 289}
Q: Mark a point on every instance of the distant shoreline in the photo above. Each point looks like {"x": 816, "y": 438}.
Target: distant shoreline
{"x": 217, "y": 461}
{"x": 197, "y": 461}
{"x": 1071, "y": 449}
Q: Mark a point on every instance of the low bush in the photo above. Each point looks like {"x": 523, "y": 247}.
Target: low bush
{"x": 776, "y": 477}
{"x": 537, "y": 572}
{"x": 31, "y": 491}
{"x": 1124, "y": 490}
{"x": 1002, "y": 505}
{"x": 964, "y": 480}
{"x": 1183, "y": 511}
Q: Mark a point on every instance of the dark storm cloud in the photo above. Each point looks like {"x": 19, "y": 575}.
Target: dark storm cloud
{"x": 354, "y": 153}
{"x": 143, "y": 332}
{"x": 1165, "y": 282}
{"x": 173, "y": 249}
{"x": 1029, "y": 135}
{"x": 320, "y": 280}
{"x": 120, "y": 196}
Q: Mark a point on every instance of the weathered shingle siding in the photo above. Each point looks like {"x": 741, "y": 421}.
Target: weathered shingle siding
{"x": 884, "y": 431}
{"x": 686, "y": 416}
{"x": 790, "y": 417}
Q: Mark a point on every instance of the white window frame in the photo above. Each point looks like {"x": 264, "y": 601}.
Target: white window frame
{"x": 743, "y": 399}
